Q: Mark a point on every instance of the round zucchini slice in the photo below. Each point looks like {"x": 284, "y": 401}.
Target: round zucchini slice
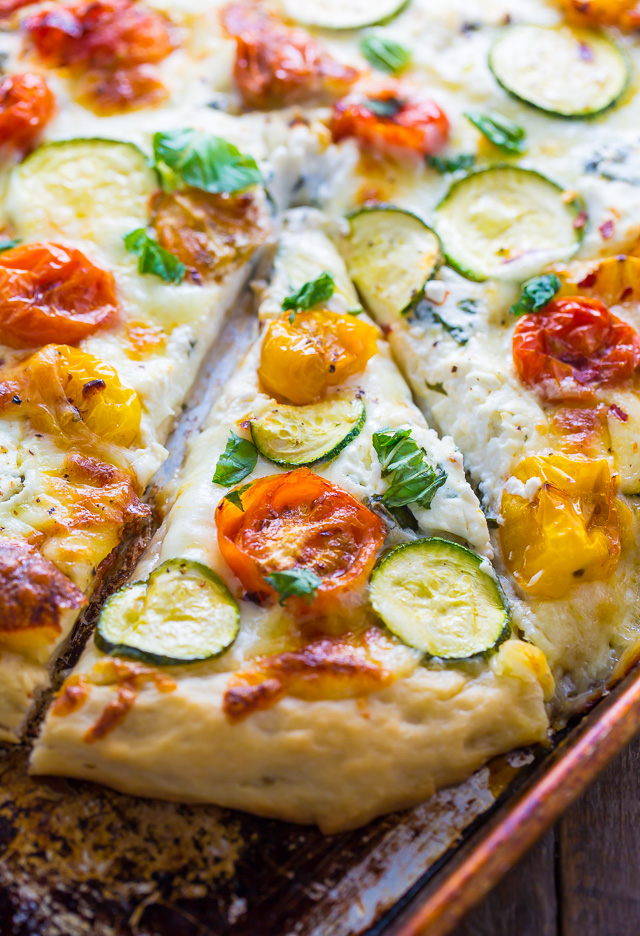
{"x": 183, "y": 613}
{"x": 293, "y": 436}
{"x": 566, "y": 72}
{"x": 434, "y": 595}
{"x": 343, "y": 14}
{"x": 391, "y": 254}
{"x": 81, "y": 189}
{"x": 506, "y": 222}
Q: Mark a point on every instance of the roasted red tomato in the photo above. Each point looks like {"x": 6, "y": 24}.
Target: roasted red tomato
{"x": 298, "y": 520}
{"x": 622, "y": 13}
{"x": 392, "y": 120}
{"x": 300, "y": 360}
{"x": 100, "y": 34}
{"x": 26, "y": 105}
{"x": 276, "y": 65}
{"x": 572, "y": 346}
{"x": 50, "y": 293}
{"x": 111, "y": 45}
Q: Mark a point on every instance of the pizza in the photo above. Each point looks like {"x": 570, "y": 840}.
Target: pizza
{"x": 404, "y": 539}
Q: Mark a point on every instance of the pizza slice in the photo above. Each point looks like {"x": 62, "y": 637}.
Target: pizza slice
{"x": 316, "y": 633}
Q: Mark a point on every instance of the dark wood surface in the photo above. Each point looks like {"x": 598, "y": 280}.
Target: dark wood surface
{"x": 583, "y": 877}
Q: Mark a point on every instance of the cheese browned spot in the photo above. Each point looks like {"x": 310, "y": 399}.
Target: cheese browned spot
{"x": 328, "y": 668}
{"x": 33, "y": 595}
{"x": 212, "y": 234}
{"x": 129, "y": 678}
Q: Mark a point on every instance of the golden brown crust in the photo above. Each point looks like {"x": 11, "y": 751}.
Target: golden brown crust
{"x": 33, "y": 592}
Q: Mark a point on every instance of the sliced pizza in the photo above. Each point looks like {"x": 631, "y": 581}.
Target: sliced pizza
{"x": 316, "y": 633}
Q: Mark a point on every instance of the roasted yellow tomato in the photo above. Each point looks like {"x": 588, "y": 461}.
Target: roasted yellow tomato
{"x": 302, "y": 358}
{"x": 65, "y": 389}
{"x": 613, "y": 281}
{"x": 562, "y": 523}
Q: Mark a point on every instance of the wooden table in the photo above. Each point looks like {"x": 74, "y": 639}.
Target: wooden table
{"x": 583, "y": 878}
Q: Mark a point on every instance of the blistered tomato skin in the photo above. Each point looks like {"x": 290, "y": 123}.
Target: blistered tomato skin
{"x": 301, "y": 360}
{"x": 50, "y": 293}
{"x": 573, "y": 346}
{"x": 412, "y": 127}
{"x": 300, "y": 520}
{"x": 276, "y": 66}
{"x": 63, "y": 389}
{"x": 26, "y": 106}
{"x": 622, "y": 13}
{"x": 565, "y": 526}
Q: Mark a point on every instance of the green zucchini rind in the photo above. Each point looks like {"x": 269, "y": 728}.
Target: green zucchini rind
{"x": 293, "y": 436}
{"x": 507, "y": 222}
{"x": 570, "y": 73}
{"x": 183, "y": 613}
{"x": 343, "y": 14}
{"x": 435, "y": 596}
{"x": 391, "y": 254}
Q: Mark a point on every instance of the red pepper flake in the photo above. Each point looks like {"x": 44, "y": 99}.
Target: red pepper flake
{"x": 580, "y": 220}
{"x": 626, "y": 293}
{"x": 606, "y": 229}
{"x": 620, "y": 413}
{"x": 590, "y": 280}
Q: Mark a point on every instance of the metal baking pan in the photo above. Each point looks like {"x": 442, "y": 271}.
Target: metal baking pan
{"x": 81, "y": 860}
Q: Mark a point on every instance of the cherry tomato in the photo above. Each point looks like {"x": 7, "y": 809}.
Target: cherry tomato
{"x": 109, "y": 91}
{"x": 7, "y": 7}
{"x": 572, "y": 346}
{"x": 26, "y": 105}
{"x": 622, "y": 13}
{"x": 64, "y": 389}
{"x": 50, "y": 293}
{"x": 100, "y": 34}
{"x": 298, "y": 520}
{"x": 300, "y": 360}
{"x": 391, "y": 120}
{"x": 276, "y": 66}
{"x": 567, "y": 530}
{"x": 210, "y": 234}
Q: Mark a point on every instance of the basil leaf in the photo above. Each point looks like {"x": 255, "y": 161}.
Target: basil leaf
{"x": 442, "y": 164}
{"x": 235, "y": 497}
{"x": 503, "y": 133}
{"x": 236, "y": 462}
{"x": 470, "y": 306}
{"x": 385, "y": 54}
{"x": 8, "y": 244}
{"x": 311, "y": 294}
{"x": 152, "y": 258}
{"x": 393, "y": 516}
{"x": 298, "y": 582}
{"x": 412, "y": 479}
{"x": 436, "y": 387}
{"x": 204, "y": 161}
{"x": 536, "y": 293}
{"x": 423, "y": 311}
{"x": 384, "y": 107}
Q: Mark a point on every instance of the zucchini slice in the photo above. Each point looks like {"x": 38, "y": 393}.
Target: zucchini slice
{"x": 343, "y": 14}
{"x": 434, "y": 595}
{"x": 81, "y": 189}
{"x": 566, "y": 72}
{"x": 391, "y": 254}
{"x": 508, "y": 223}
{"x": 293, "y": 436}
{"x": 183, "y": 613}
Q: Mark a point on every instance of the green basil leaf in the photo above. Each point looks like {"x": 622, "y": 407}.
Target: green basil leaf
{"x": 8, "y": 244}
{"x": 384, "y": 107}
{"x": 536, "y": 293}
{"x": 152, "y": 258}
{"x": 470, "y": 306}
{"x": 423, "y": 311}
{"x": 436, "y": 387}
{"x": 385, "y": 54}
{"x": 204, "y": 161}
{"x": 311, "y": 294}
{"x": 503, "y": 133}
{"x": 442, "y": 164}
{"x": 300, "y": 582}
{"x": 412, "y": 478}
{"x": 235, "y": 497}
{"x": 392, "y": 516}
{"x": 236, "y": 462}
